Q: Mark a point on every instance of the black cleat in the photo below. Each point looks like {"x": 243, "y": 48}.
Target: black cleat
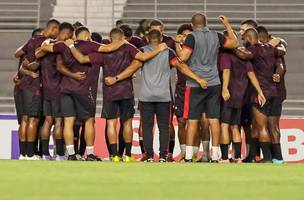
{"x": 162, "y": 160}
{"x": 264, "y": 161}
{"x": 149, "y": 160}
{"x": 249, "y": 160}
{"x": 92, "y": 157}
{"x": 214, "y": 161}
{"x": 188, "y": 160}
{"x": 72, "y": 157}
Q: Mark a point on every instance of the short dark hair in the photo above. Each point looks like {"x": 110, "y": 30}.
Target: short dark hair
{"x": 250, "y": 22}
{"x": 199, "y": 19}
{"x": 142, "y": 21}
{"x": 154, "y": 34}
{"x": 77, "y": 24}
{"x": 183, "y": 28}
{"x": 262, "y": 29}
{"x": 37, "y": 31}
{"x": 80, "y": 30}
{"x": 115, "y": 31}
{"x": 119, "y": 22}
{"x": 52, "y": 21}
{"x": 126, "y": 30}
{"x": 96, "y": 37}
{"x": 156, "y": 22}
{"x": 66, "y": 25}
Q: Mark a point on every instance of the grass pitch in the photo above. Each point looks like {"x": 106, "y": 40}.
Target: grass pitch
{"x": 43, "y": 180}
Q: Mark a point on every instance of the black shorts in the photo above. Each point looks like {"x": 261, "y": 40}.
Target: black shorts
{"x": 18, "y": 104}
{"x": 179, "y": 102}
{"x": 272, "y": 107}
{"x": 230, "y": 115}
{"x": 32, "y": 103}
{"x": 51, "y": 108}
{"x": 123, "y": 109}
{"x": 199, "y": 101}
{"x": 73, "y": 105}
{"x": 246, "y": 119}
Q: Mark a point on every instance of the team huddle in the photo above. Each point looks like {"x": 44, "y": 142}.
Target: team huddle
{"x": 222, "y": 87}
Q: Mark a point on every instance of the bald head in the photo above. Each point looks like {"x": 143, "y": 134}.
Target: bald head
{"x": 251, "y": 36}
{"x": 199, "y": 20}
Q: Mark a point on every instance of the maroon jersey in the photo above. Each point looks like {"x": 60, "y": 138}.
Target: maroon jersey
{"x": 137, "y": 41}
{"x": 71, "y": 85}
{"x": 105, "y": 41}
{"x": 281, "y": 87}
{"x": 50, "y": 76}
{"x": 264, "y": 63}
{"x": 113, "y": 64}
{"x": 29, "y": 49}
{"x": 238, "y": 78}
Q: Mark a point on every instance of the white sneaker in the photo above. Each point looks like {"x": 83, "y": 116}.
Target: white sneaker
{"x": 34, "y": 157}
{"x": 21, "y": 157}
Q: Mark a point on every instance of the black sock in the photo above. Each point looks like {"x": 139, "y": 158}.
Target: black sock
{"x": 142, "y": 148}
{"x": 237, "y": 150}
{"x": 82, "y": 145}
{"x": 258, "y": 147}
{"x": 276, "y": 151}
{"x": 224, "y": 150}
{"x": 30, "y": 149}
{"x": 171, "y": 146}
{"x": 252, "y": 148}
{"x": 113, "y": 149}
{"x": 60, "y": 147}
{"x": 128, "y": 148}
{"x": 266, "y": 146}
{"x": 45, "y": 147}
{"x": 23, "y": 148}
{"x": 76, "y": 130}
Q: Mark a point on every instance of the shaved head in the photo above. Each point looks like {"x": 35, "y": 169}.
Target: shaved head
{"x": 199, "y": 20}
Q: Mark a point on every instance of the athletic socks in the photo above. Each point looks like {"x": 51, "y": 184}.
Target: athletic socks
{"x": 141, "y": 144}
{"x": 171, "y": 146}
{"x": 30, "y": 149}
{"x": 45, "y": 147}
{"x": 90, "y": 150}
{"x": 266, "y": 149}
{"x": 113, "y": 149}
{"x": 60, "y": 147}
{"x": 214, "y": 155}
{"x": 258, "y": 147}
{"x": 183, "y": 149}
{"x": 195, "y": 150}
{"x": 128, "y": 146}
{"x": 189, "y": 152}
{"x": 70, "y": 149}
{"x": 23, "y": 148}
{"x": 237, "y": 150}
{"x": 206, "y": 148}
{"x": 224, "y": 151}
{"x": 252, "y": 149}
{"x": 276, "y": 151}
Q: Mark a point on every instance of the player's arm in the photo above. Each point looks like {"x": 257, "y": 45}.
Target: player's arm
{"x": 19, "y": 52}
{"x": 226, "y": 79}
{"x": 144, "y": 56}
{"x": 243, "y": 54}
{"x": 129, "y": 71}
{"x": 27, "y": 72}
{"x": 67, "y": 72}
{"x": 280, "y": 51}
{"x": 279, "y": 71}
{"x": 185, "y": 69}
{"x": 113, "y": 46}
{"x": 184, "y": 51}
{"x": 231, "y": 41}
{"x": 76, "y": 53}
{"x": 44, "y": 49}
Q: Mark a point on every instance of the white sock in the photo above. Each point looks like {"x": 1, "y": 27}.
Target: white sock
{"x": 90, "y": 150}
{"x": 189, "y": 152}
{"x": 183, "y": 149}
{"x": 214, "y": 155}
{"x": 141, "y": 138}
{"x": 195, "y": 150}
{"x": 70, "y": 149}
{"x": 206, "y": 148}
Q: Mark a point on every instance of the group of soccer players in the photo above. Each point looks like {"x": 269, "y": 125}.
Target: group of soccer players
{"x": 221, "y": 88}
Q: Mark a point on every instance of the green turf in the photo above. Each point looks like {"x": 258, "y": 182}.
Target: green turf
{"x": 91, "y": 180}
